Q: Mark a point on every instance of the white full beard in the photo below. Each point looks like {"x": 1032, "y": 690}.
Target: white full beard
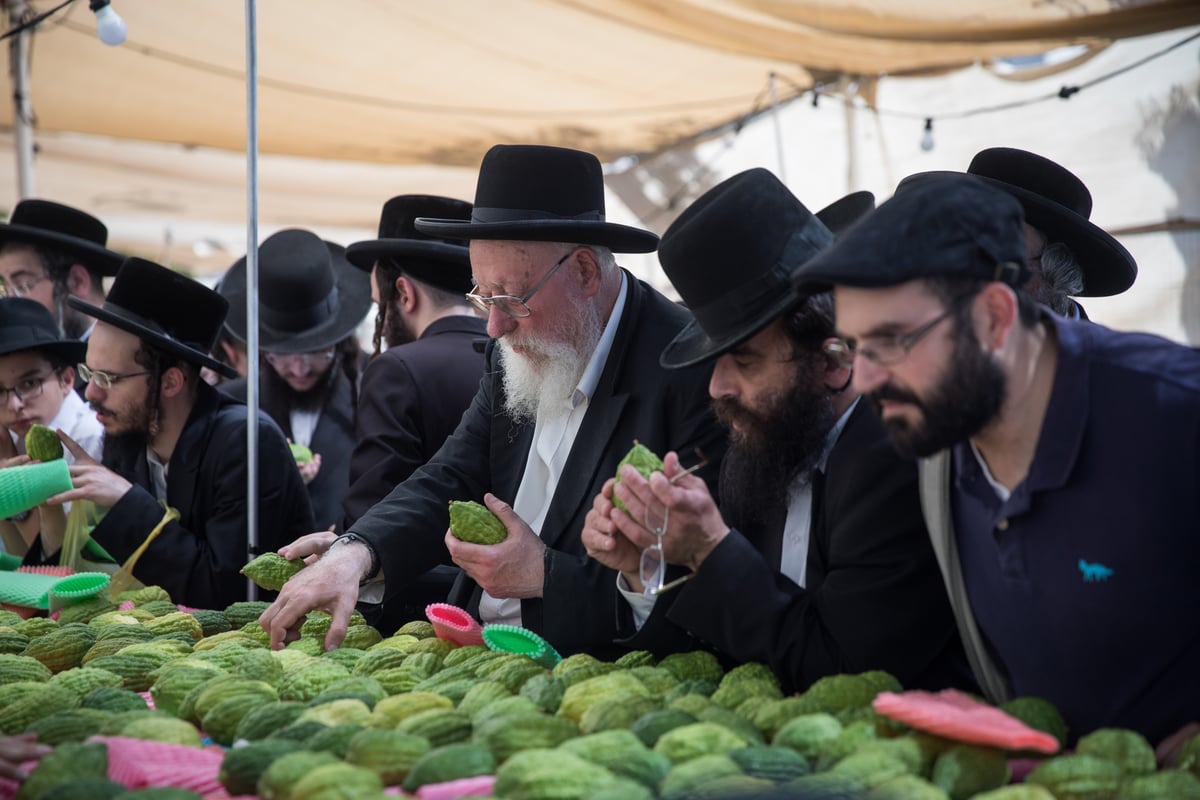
{"x": 546, "y": 374}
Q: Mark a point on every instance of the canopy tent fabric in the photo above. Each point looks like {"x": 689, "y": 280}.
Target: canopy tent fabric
{"x": 388, "y": 81}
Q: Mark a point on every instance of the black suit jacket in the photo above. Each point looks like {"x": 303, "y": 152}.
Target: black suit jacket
{"x": 412, "y": 398}
{"x": 873, "y": 598}
{"x": 333, "y": 439}
{"x": 197, "y": 558}
{"x": 635, "y": 398}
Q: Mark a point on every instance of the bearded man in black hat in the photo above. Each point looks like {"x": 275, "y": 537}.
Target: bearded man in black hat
{"x": 817, "y": 561}
{"x": 50, "y": 252}
{"x": 311, "y": 299}
{"x": 1067, "y": 255}
{"x": 1058, "y": 458}
{"x": 173, "y": 440}
{"x": 571, "y": 380}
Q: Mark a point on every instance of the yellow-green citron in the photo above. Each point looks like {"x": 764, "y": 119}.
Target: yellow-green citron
{"x": 42, "y": 444}
{"x": 301, "y": 454}
{"x": 472, "y": 522}
{"x": 644, "y": 460}
{"x": 271, "y": 570}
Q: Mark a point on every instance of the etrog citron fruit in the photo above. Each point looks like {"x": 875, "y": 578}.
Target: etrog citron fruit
{"x": 472, "y": 522}
{"x": 271, "y": 570}
{"x": 643, "y": 460}
{"x": 301, "y": 454}
{"x": 42, "y": 444}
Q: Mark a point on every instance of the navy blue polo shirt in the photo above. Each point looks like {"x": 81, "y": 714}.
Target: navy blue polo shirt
{"x": 1086, "y": 580}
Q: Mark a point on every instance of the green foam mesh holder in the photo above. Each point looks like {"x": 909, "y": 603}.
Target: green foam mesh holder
{"x": 77, "y": 587}
{"x": 515, "y": 639}
{"x": 29, "y": 485}
{"x": 9, "y": 562}
{"x": 26, "y": 589}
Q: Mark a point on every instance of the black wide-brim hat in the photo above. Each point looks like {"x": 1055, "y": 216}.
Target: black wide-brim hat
{"x": 952, "y": 224}
{"x": 59, "y": 227}
{"x": 730, "y": 255}
{"x": 28, "y": 325}
{"x": 309, "y": 296}
{"x": 443, "y": 263}
{"x": 536, "y": 193}
{"x": 169, "y": 311}
{"x": 1058, "y": 204}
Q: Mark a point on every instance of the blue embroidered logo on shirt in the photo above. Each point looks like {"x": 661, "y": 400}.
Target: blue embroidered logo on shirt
{"x": 1094, "y": 572}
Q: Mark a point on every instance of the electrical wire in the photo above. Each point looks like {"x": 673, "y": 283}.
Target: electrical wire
{"x": 33, "y": 21}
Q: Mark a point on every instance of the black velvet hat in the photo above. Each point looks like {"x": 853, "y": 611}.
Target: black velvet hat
{"x": 309, "y": 295}
{"x": 28, "y": 325}
{"x": 541, "y": 194}
{"x": 444, "y": 263}
{"x": 730, "y": 255}
{"x": 42, "y": 222}
{"x": 170, "y": 311}
{"x": 1058, "y": 204}
{"x": 950, "y": 224}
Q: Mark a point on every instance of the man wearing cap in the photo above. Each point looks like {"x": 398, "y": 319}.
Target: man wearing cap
{"x": 1059, "y": 459}
{"x": 817, "y": 561}
{"x": 1067, "y": 255}
{"x": 172, "y": 439}
{"x": 311, "y": 300}
{"x": 37, "y": 379}
{"x": 570, "y": 382}
{"x": 50, "y": 252}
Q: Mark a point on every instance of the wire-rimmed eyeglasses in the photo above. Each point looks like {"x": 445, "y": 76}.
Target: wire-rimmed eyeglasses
{"x": 510, "y": 304}
{"x": 22, "y": 289}
{"x": 885, "y": 350}
{"x": 105, "y": 380}
{"x": 652, "y": 569}
{"x": 307, "y": 361}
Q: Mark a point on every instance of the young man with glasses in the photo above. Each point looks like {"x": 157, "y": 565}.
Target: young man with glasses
{"x": 1059, "y": 466}
{"x": 173, "y": 440}
{"x": 50, "y": 252}
{"x": 37, "y": 379}
{"x": 311, "y": 301}
{"x": 816, "y": 561}
{"x": 571, "y": 380}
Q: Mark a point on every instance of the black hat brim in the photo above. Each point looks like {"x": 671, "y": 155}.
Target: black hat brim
{"x": 618, "y": 238}
{"x": 364, "y": 254}
{"x": 693, "y": 346}
{"x": 101, "y": 259}
{"x": 1108, "y": 268}
{"x": 156, "y": 338}
{"x": 72, "y": 352}
{"x": 354, "y": 300}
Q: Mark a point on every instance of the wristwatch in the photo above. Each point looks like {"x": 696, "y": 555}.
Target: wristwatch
{"x": 346, "y": 538}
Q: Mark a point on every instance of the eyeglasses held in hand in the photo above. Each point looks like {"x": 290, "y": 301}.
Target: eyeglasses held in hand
{"x": 105, "y": 380}
{"x": 509, "y": 303}
{"x": 652, "y": 570}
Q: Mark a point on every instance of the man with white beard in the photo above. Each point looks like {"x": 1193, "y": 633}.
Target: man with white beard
{"x": 572, "y": 379}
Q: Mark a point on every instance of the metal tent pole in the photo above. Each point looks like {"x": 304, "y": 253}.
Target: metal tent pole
{"x": 18, "y": 50}
{"x": 778, "y": 128}
{"x": 251, "y": 288}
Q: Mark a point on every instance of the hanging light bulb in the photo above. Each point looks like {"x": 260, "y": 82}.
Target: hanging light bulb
{"x": 109, "y": 25}
{"x": 927, "y": 135}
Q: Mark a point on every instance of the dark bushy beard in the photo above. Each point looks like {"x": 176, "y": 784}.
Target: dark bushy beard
{"x": 776, "y": 446}
{"x": 279, "y": 398}
{"x": 396, "y": 330}
{"x": 139, "y": 426}
{"x": 966, "y": 398}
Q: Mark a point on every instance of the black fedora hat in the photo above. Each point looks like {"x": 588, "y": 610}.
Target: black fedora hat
{"x": 43, "y": 222}
{"x": 170, "y": 311}
{"x": 310, "y": 296}
{"x": 730, "y": 255}
{"x": 950, "y": 224}
{"x": 28, "y": 325}
{"x": 537, "y": 193}
{"x": 444, "y": 263}
{"x": 1056, "y": 202}
{"x": 839, "y": 215}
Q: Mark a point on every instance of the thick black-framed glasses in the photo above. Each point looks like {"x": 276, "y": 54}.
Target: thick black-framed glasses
{"x": 105, "y": 380}
{"x": 27, "y": 388}
{"x": 886, "y": 350}
{"x": 509, "y": 303}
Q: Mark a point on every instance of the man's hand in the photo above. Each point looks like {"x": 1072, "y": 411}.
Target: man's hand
{"x": 606, "y": 544}
{"x": 513, "y": 568}
{"x": 15, "y": 461}
{"x": 92, "y": 482}
{"x": 694, "y": 526}
{"x": 16, "y": 750}
{"x": 330, "y": 584}
{"x": 309, "y": 469}
{"x": 310, "y": 546}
